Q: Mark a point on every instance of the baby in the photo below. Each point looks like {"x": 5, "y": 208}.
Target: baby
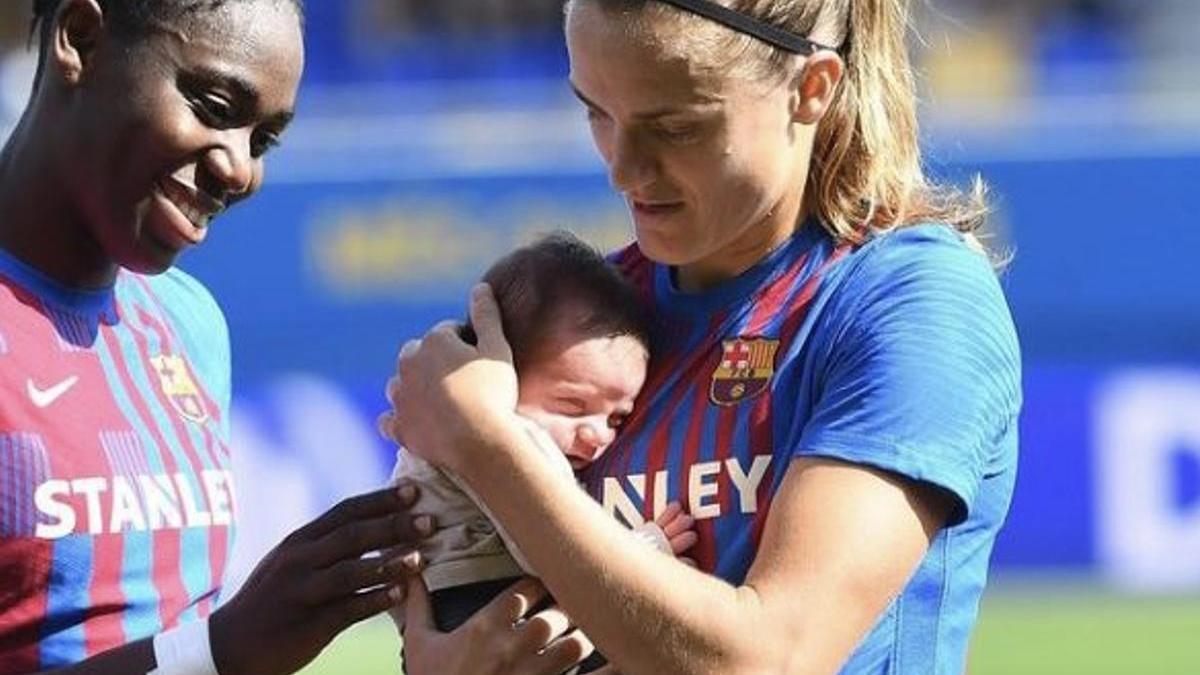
{"x": 580, "y": 345}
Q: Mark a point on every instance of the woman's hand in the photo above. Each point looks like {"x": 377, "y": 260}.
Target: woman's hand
{"x": 316, "y": 583}
{"x": 449, "y": 396}
{"x": 499, "y": 639}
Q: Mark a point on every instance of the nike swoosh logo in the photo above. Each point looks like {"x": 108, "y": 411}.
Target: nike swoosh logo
{"x": 44, "y": 397}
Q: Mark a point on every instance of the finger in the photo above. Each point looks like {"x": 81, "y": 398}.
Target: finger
{"x": 448, "y": 327}
{"x": 418, "y": 608}
{"x": 407, "y": 350}
{"x": 353, "y": 539}
{"x": 683, "y": 541}
{"x": 373, "y": 504}
{"x": 539, "y": 630}
{"x": 485, "y": 317}
{"x": 339, "y": 616}
{"x": 514, "y": 602}
{"x": 673, "y": 510}
{"x": 563, "y": 653}
{"x": 393, "y": 390}
{"x": 681, "y": 523}
{"x": 351, "y": 576}
{"x": 387, "y": 427}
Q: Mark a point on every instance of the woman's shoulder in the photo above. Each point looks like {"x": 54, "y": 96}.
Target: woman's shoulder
{"x": 915, "y": 257}
{"x": 183, "y": 296}
{"x": 919, "y": 276}
{"x": 192, "y": 313}
{"x": 925, "y": 243}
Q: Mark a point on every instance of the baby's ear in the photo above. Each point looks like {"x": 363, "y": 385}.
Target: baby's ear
{"x": 467, "y": 332}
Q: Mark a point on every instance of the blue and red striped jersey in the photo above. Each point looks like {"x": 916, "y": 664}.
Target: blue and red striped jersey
{"x": 116, "y": 504}
{"x": 898, "y": 354}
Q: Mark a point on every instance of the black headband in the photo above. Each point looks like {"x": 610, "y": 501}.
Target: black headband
{"x": 744, "y": 23}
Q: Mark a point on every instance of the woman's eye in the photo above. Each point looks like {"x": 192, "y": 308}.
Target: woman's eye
{"x": 215, "y": 109}
{"x": 262, "y": 142}
{"x": 595, "y": 116}
{"x": 677, "y": 132}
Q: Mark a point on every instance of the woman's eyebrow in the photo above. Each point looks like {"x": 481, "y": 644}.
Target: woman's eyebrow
{"x": 655, "y": 113}
{"x": 239, "y": 86}
{"x": 586, "y": 101}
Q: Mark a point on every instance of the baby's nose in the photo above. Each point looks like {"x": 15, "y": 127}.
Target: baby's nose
{"x": 595, "y": 435}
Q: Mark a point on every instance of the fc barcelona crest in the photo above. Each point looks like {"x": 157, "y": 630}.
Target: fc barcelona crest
{"x": 745, "y": 370}
{"x": 179, "y": 388}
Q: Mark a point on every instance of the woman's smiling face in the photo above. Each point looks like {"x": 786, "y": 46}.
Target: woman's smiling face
{"x": 177, "y": 123}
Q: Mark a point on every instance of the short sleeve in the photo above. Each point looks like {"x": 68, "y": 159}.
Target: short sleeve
{"x": 920, "y": 373}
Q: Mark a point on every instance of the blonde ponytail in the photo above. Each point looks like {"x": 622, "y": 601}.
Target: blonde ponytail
{"x": 867, "y": 173}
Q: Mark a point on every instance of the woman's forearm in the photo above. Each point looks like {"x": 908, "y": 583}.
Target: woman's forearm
{"x": 646, "y": 611}
{"x": 839, "y": 543}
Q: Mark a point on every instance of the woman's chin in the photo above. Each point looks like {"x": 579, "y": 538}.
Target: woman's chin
{"x": 662, "y": 248}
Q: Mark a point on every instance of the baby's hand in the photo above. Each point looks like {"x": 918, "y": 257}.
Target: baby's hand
{"x": 679, "y": 529}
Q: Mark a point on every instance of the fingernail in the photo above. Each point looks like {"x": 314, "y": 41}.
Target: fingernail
{"x": 396, "y": 593}
{"x": 411, "y": 562}
{"x": 424, "y": 524}
{"x": 407, "y": 493}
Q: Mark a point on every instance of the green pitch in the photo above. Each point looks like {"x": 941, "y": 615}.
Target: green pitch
{"x": 1021, "y": 632}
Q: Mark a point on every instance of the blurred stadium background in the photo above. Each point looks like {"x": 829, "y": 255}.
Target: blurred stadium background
{"x": 435, "y": 134}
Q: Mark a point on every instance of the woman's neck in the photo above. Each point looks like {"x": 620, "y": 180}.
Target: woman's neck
{"x": 755, "y": 244}
{"x": 39, "y": 222}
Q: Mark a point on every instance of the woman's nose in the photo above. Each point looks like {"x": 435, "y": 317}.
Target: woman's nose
{"x": 630, "y": 166}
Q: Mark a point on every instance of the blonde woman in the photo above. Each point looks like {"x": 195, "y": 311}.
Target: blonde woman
{"x": 835, "y": 380}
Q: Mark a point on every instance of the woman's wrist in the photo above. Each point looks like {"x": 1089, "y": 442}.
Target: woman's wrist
{"x": 491, "y": 448}
{"x": 184, "y": 650}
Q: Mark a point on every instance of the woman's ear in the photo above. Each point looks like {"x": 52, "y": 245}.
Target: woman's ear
{"x": 815, "y": 86}
{"x": 75, "y": 37}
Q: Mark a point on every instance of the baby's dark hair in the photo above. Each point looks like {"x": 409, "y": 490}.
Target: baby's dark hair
{"x": 555, "y": 278}
{"x": 134, "y": 17}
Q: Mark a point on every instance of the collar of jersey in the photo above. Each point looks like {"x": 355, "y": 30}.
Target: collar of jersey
{"x": 87, "y": 302}
{"x": 741, "y": 287}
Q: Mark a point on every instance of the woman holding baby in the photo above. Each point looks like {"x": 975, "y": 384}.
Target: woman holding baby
{"x": 834, "y": 379}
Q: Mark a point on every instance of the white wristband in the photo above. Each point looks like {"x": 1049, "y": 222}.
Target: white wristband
{"x": 184, "y": 650}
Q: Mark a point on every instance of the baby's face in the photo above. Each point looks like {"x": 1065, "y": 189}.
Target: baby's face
{"x": 583, "y": 391}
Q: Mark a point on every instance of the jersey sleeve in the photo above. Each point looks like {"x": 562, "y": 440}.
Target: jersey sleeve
{"x": 921, "y": 367}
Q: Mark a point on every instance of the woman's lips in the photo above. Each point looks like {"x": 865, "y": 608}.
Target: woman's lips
{"x": 175, "y": 229}
{"x": 187, "y": 213}
{"x": 196, "y": 206}
{"x": 655, "y": 209}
